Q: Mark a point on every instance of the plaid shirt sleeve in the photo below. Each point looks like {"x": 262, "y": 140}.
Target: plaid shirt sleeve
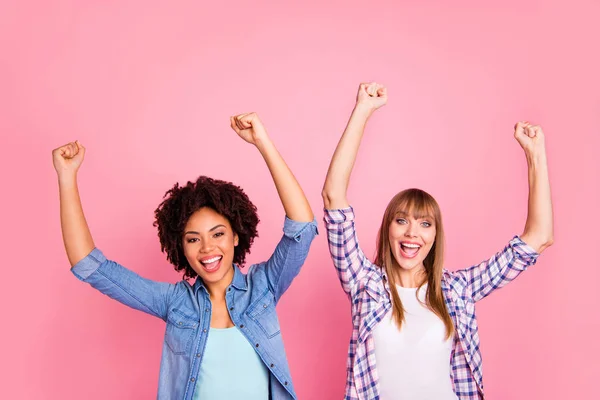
{"x": 484, "y": 278}
{"x": 350, "y": 262}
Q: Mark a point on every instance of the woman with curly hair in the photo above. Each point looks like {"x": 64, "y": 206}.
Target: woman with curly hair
{"x": 222, "y": 338}
{"x": 415, "y": 332}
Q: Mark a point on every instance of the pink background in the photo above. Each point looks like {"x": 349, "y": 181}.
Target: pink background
{"x": 149, "y": 87}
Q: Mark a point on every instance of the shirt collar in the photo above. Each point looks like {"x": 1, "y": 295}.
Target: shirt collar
{"x": 238, "y": 282}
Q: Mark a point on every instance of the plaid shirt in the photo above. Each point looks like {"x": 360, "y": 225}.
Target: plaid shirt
{"x": 367, "y": 287}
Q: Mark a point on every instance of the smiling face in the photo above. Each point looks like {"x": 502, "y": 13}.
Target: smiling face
{"x": 411, "y": 238}
{"x": 209, "y": 244}
{"x": 410, "y": 249}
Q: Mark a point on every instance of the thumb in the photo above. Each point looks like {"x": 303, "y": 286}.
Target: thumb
{"x": 80, "y": 150}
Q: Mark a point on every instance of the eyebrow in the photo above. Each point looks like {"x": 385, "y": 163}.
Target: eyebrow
{"x": 212, "y": 229}
{"x": 404, "y": 214}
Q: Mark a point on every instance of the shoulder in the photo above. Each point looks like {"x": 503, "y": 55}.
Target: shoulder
{"x": 454, "y": 281}
{"x": 183, "y": 288}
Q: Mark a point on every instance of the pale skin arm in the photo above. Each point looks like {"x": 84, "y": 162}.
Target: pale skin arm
{"x": 250, "y": 128}
{"x": 370, "y": 97}
{"x": 76, "y": 235}
{"x": 539, "y": 227}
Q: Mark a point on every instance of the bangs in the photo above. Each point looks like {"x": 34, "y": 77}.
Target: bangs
{"x": 417, "y": 204}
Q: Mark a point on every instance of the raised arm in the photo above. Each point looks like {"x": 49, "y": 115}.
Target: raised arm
{"x": 520, "y": 253}
{"x": 250, "y": 128}
{"x": 299, "y": 228}
{"x": 88, "y": 263}
{"x": 351, "y": 264}
{"x": 539, "y": 227}
{"x": 76, "y": 234}
{"x": 370, "y": 97}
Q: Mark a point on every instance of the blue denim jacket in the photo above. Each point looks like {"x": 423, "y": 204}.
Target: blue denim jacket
{"x": 251, "y": 300}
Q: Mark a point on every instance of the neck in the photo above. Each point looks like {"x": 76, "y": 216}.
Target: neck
{"x": 411, "y": 278}
{"x": 216, "y": 290}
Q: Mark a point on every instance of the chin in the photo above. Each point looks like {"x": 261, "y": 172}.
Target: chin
{"x": 409, "y": 264}
{"x": 215, "y": 277}
{"x": 409, "y": 267}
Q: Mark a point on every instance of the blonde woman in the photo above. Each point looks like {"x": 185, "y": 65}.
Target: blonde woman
{"x": 415, "y": 332}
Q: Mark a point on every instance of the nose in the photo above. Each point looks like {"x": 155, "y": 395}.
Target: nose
{"x": 411, "y": 230}
{"x": 206, "y": 246}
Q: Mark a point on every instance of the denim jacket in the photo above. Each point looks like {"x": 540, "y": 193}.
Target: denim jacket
{"x": 187, "y": 309}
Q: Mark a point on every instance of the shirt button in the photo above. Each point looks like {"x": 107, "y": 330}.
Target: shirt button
{"x": 285, "y": 383}
{"x": 272, "y": 365}
{"x": 256, "y": 344}
{"x": 242, "y": 325}
{"x": 229, "y": 290}
{"x": 194, "y": 380}
{"x": 204, "y": 330}
{"x": 206, "y": 310}
{"x": 231, "y": 308}
{"x": 198, "y": 355}
{"x": 264, "y": 306}
{"x": 180, "y": 323}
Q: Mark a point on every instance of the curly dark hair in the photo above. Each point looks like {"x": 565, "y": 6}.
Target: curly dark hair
{"x": 181, "y": 202}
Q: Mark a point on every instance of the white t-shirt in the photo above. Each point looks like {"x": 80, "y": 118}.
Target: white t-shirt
{"x": 414, "y": 362}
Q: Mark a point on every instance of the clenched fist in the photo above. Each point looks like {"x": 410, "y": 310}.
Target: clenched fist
{"x": 530, "y": 137}
{"x": 249, "y": 127}
{"x": 371, "y": 95}
{"x": 68, "y": 158}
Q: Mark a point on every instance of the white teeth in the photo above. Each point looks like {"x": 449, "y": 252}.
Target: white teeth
{"x": 211, "y": 260}
{"x": 411, "y": 245}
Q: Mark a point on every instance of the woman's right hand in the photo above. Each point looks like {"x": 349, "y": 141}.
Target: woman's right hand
{"x": 68, "y": 158}
{"x": 371, "y": 96}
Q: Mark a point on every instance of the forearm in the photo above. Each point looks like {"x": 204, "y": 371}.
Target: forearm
{"x": 292, "y": 197}
{"x": 76, "y": 234}
{"x": 342, "y": 162}
{"x": 539, "y": 231}
{"x": 496, "y": 272}
{"x": 125, "y": 286}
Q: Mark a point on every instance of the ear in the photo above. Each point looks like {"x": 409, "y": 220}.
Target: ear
{"x": 236, "y": 240}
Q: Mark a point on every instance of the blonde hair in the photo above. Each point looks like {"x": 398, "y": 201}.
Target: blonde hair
{"x": 418, "y": 204}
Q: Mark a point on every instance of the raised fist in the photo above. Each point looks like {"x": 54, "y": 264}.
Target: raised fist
{"x": 249, "y": 127}
{"x": 68, "y": 158}
{"x": 372, "y": 95}
{"x": 530, "y": 137}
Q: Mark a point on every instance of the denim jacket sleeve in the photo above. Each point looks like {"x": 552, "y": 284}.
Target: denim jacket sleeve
{"x": 289, "y": 255}
{"x": 125, "y": 286}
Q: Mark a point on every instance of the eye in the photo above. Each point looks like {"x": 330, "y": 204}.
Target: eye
{"x": 192, "y": 240}
{"x": 401, "y": 221}
{"x": 426, "y": 224}
{"x": 218, "y": 234}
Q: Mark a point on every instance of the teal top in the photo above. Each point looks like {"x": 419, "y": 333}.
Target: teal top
{"x": 231, "y": 369}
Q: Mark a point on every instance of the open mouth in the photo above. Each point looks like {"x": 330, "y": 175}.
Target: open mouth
{"x": 409, "y": 250}
{"x": 211, "y": 264}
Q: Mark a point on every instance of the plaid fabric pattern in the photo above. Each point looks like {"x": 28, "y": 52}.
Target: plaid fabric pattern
{"x": 367, "y": 287}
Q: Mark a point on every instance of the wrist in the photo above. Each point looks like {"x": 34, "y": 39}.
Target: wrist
{"x": 263, "y": 143}
{"x": 67, "y": 178}
{"x": 535, "y": 157}
{"x": 363, "y": 110}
